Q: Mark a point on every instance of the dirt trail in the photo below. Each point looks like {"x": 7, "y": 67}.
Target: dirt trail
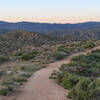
{"x": 40, "y": 87}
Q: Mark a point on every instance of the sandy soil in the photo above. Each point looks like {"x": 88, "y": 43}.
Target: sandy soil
{"x": 40, "y": 87}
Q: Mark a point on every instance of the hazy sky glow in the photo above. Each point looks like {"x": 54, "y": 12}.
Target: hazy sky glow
{"x": 59, "y": 11}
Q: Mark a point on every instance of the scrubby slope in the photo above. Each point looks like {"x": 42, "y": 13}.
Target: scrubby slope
{"x": 19, "y": 39}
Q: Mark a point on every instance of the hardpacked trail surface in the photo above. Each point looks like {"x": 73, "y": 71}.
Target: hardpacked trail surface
{"x": 40, "y": 87}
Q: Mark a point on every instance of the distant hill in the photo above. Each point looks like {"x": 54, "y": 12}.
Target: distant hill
{"x": 75, "y": 35}
{"x": 18, "y": 39}
{"x": 45, "y": 27}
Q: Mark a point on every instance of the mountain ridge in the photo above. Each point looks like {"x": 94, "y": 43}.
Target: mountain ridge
{"x": 45, "y": 27}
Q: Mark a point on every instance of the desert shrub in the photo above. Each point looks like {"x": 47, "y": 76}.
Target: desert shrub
{"x": 18, "y": 53}
{"x": 27, "y": 75}
{"x": 3, "y": 58}
{"x": 35, "y": 52}
{"x": 19, "y": 78}
{"x": 80, "y": 91}
{"x": 80, "y": 49}
{"x": 18, "y": 75}
{"x": 62, "y": 51}
{"x": 60, "y": 76}
{"x": 86, "y": 89}
{"x": 69, "y": 80}
{"x": 62, "y": 68}
{"x": 89, "y": 65}
{"x": 81, "y": 76}
{"x": 58, "y": 55}
{"x": 30, "y": 69}
{"x": 65, "y": 49}
{"x": 7, "y": 79}
{"x": 27, "y": 56}
{"x": 90, "y": 44}
{"x": 94, "y": 94}
{"x": 4, "y": 91}
{"x": 96, "y": 51}
{"x": 81, "y": 57}
{"x": 94, "y": 90}
{"x": 72, "y": 63}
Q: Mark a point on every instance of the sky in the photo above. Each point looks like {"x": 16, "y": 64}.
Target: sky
{"x": 50, "y": 11}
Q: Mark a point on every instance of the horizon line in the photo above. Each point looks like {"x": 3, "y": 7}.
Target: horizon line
{"x": 49, "y": 22}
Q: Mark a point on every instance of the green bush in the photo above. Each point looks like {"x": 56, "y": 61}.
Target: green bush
{"x": 90, "y": 44}
{"x": 94, "y": 94}
{"x": 4, "y": 91}
{"x": 73, "y": 63}
{"x": 96, "y": 51}
{"x": 3, "y": 58}
{"x": 69, "y": 81}
{"x": 85, "y": 65}
{"x": 86, "y": 89}
{"x": 18, "y": 53}
{"x": 18, "y": 75}
{"x": 27, "y": 56}
{"x": 65, "y": 49}
{"x": 80, "y": 91}
{"x": 82, "y": 74}
{"x": 58, "y": 55}
{"x": 27, "y": 74}
{"x": 60, "y": 76}
{"x": 35, "y": 52}
{"x": 7, "y": 80}
{"x": 62, "y": 68}
{"x": 19, "y": 78}
{"x": 84, "y": 83}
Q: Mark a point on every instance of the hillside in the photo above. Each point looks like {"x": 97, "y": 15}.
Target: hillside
{"x": 75, "y": 35}
{"x": 23, "y": 53}
{"x": 19, "y": 39}
{"x": 45, "y": 27}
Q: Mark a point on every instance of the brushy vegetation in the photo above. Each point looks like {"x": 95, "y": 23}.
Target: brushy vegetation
{"x": 64, "y": 50}
{"x": 86, "y": 89}
{"x": 84, "y": 65}
{"x": 29, "y": 51}
{"x": 58, "y": 55}
{"x": 24, "y": 55}
{"x": 82, "y": 76}
{"x": 3, "y": 58}
{"x": 14, "y": 75}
